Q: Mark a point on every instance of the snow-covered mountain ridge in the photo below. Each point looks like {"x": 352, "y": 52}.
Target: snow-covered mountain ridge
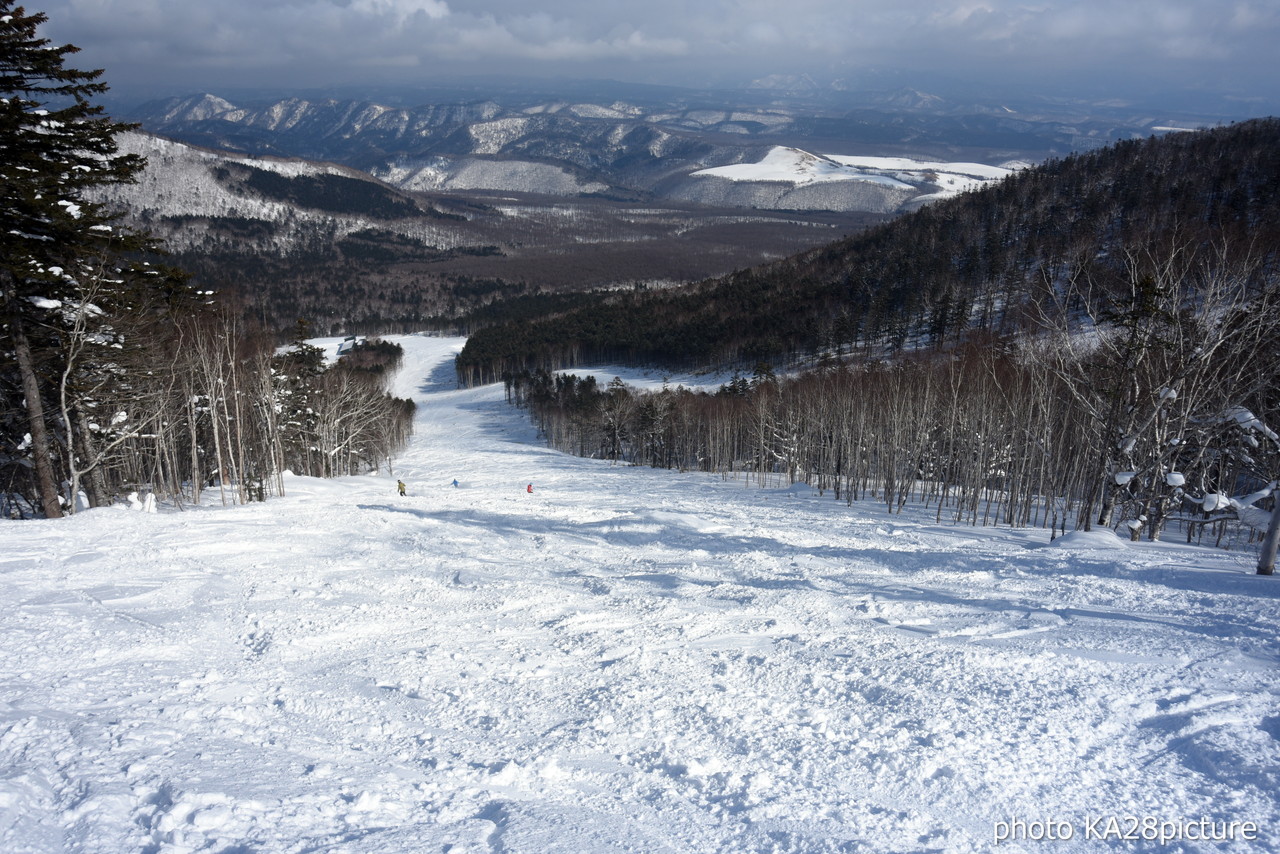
{"x": 622, "y": 659}
{"x": 185, "y": 185}
{"x": 616, "y": 146}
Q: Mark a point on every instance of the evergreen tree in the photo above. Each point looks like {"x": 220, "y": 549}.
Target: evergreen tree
{"x": 65, "y": 263}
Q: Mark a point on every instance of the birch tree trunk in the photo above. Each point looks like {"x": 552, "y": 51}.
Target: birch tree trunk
{"x": 46, "y": 483}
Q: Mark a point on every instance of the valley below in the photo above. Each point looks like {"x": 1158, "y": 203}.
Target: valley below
{"x": 473, "y": 196}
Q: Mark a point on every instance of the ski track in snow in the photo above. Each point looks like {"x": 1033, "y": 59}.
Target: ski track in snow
{"x": 624, "y": 660}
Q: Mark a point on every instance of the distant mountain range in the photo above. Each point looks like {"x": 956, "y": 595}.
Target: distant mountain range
{"x": 655, "y": 147}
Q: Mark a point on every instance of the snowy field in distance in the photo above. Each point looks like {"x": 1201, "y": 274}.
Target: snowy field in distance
{"x": 622, "y": 660}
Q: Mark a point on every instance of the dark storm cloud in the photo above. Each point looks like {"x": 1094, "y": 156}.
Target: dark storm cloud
{"x": 1208, "y": 44}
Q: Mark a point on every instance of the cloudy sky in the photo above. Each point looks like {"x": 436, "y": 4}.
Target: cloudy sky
{"x": 1100, "y": 47}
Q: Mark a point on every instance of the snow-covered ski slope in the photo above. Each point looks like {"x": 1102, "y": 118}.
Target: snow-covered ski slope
{"x": 623, "y": 660}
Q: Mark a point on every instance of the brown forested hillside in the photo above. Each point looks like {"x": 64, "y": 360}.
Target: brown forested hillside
{"x": 955, "y": 266}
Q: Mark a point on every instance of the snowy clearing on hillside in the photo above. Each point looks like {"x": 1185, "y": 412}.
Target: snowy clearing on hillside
{"x": 951, "y": 178}
{"x": 793, "y": 166}
{"x": 623, "y": 659}
{"x": 908, "y": 165}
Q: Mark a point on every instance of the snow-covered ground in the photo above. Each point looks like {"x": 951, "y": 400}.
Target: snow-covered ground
{"x": 622, "y": 660}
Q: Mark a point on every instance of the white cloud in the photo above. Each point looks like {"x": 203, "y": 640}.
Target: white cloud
{"x": 298, "y": 40}
{"x": 402, "y": 9}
